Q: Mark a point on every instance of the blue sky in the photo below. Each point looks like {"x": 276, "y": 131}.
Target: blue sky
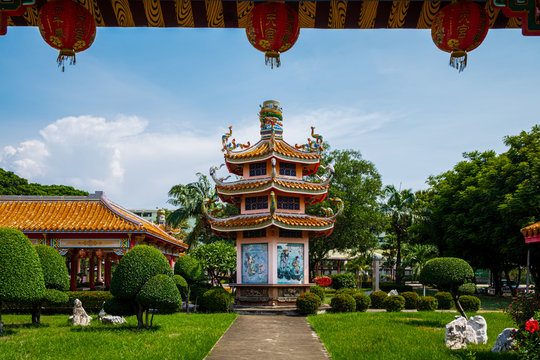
{"x": 144, "y": 109}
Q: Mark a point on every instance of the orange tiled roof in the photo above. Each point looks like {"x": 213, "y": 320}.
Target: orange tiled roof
{"x": 260, "y": 183}
{"x": 531, "y": 230}
{"x": 262, "y": 148}
{"x": 283, "y": 220}
{"x": 58, "y": 214}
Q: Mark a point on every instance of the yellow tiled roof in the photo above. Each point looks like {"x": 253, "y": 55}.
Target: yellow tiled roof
{"x": 74, "y": 214}
{"x": 245, "y": 185}
{"x": 281, "y": 147}
{"x": 531, "y": 230}
{"x": 239, "y": 222}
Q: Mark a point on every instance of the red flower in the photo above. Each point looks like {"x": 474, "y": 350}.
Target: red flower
{"x": 532, "y": 326}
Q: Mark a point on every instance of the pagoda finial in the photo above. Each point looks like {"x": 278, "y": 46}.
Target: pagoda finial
{"x": 271, "y": 119}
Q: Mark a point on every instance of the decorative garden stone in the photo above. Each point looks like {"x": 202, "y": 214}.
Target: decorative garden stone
{"x": 459, "y": 333}
{"x": 393, "y": 293}
{"x": 479, "y": 325}
{"x": 115, "y": 320}
{"x": 504, "y": 342}
{"x": 79, "y": 317}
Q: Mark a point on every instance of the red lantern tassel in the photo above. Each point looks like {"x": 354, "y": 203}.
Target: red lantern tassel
{"x": 458, "y": 60}
{"x": 66, "y": 54}
{"x": 272, "y": 58}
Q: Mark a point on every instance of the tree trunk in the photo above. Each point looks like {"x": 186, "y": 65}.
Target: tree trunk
{"x": 458, "y": 305}
{"x": 147, "y": 327}
{"x": 140, "y": 322}
{"x": 398, "y": 259}
{"x": 36, "y": 314}
{"x": 1, "y": 323}
{"x": 496, "y": 281}
{"x": 152, "y": 320}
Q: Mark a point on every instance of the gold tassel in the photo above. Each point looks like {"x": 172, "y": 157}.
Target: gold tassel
{"x": 272, "y": 58}
{"x": 458, "y": 60}
{"x": 66, "y": 54}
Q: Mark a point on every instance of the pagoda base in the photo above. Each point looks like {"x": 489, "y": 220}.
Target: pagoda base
{"x": 269, "y": 294}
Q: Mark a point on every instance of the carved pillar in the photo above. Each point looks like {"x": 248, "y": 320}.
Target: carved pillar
{"x": 73, "y": 275}
{"x": 99, "y": 277}
{"x": 91, "y": 271}
{"x": 171, "y": 261}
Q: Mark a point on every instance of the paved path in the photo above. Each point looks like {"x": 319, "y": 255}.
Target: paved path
{"x": 269, "y": 337}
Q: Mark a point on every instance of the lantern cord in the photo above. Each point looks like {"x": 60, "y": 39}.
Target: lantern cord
{"x": 66, "y": 54}
{"x": 272, "y": 58}
{"x": 458, "y": 60}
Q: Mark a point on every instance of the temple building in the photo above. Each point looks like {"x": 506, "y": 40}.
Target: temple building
{"x": 272, "y": 231}
{"x": 91, "y": 227}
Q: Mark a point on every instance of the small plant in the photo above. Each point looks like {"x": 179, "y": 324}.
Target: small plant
{"x": 308, "y": 303}
{"x": 340, "y": 281}
{"x": 216, "y": 300}
{"x": 323, "y": 281}
{"x": 528, "y": 339}
{"x": 469, "y": 303}
{"x": 347, "y": 291}
{"x": 444, "y": 299}
{"x": 363, "y": 302}
{"x": 377, "y": 298}
{"x": 394, "y": 303}
{"x": 523, "y": 308}
{"x": 467, "y": 289}
{"x": 343, "y": 303}
{"x": 411, "y": 299}
{"x": 319, "y": 291}
{"x": 427, "y": 303}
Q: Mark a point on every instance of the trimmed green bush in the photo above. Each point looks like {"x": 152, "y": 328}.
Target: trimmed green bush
{"x": 92, "y": 301}
{"x": 411, "y": 299}
{"x": 444, "y": 299}
{"x": 182, "y": 286}
{"x": 160, "y": 292}
{"x": 347, "y": 291}
{"x": 197, "y": 291}
{"x": 308, "y": 303}
{"x": 343, "y": 303}
{"x": 53, "y": 297}
{"x": 55, "y": 271}
{"x": 139, "y": 265}
{"x": 446, "y": 273}
{"x": 21, "y": 276}
{"x": 377, "y": 298}
{"x": 319, "y": 291}
{"x": 394, "y": 303}
{"x": 470, "y": 303}
{"x": 189, "y": 268}
{"x": 467, "y": 289}
{"x": 120, "y": 307}
{"x": 363, "y": 301}
{"x": 216, "y": 300}
{"x": 340, "y": 281}
{"x": 427, "y": 303}
{"x": 390, "y": 285}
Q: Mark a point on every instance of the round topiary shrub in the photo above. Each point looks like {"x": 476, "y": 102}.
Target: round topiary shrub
{"x": 340, "y": 281}
{"x": 197, "y": 291}
{"x": 411, "y": 299}
{"x": 308, "y": 303}
{"x": 394, "y": 303}
{"x": 446, "y": 273}
{"x": 470, "y": 303}
{"x": 189, "y": 268}
{"x": 182, "y": 286}
{"x": 343, "y": 303}
{"x": 54, "y": 267}
{"x": 467, "y": 289}
{"x": 377, "y": 298}
{"x": 363, "y": 301}
{"x": 427, "y": 303}
{"x": 347, "y": 291}
{"x": 160, "y": 292}
{"x": 120, "y": 307}
{"x": 21, "y": 276}
{"x": 444, "y": 300}
{"x": 139, "y": 265}
{"x": 53, "y": 297}
{"x": 216, "y": 300}
{"x": 319, "y": 291}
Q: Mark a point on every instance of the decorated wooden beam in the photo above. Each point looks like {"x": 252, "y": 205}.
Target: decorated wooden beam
{"x": 527, "y": 11}
{"x": 335, "y": 14}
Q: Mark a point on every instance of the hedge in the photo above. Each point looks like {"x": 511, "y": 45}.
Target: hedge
{"x": 340, "y": 281}
{"x": 216, "y": 300}
{"x": 387, "y": 286}
{"x": 411, "y": 299}
{"x": 470, "y": 303}
{"x": 377, "y": 298}
{"x": 54, "y": 267}
{"x": 444, "y": 299}
{"x": 308, "y": 303}
{"x": 427, "y": 303}
{"x": 343, "y": 303}
{"x": 92, "y": 302}
{"x": 394, "y": 303}
{"x": 120, "y": 307}
{"x": 53, "y": 297}
{"x": 363, "y": 302}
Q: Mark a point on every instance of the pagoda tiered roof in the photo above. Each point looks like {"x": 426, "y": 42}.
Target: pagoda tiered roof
{"x": 531, "y": 233}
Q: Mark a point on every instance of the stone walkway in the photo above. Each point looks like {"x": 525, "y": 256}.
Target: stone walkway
{"x": 269, "y": 337}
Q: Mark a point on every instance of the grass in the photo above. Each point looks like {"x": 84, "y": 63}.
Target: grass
{"x": 401, "y": 336}
{"x": 177, "y": 336}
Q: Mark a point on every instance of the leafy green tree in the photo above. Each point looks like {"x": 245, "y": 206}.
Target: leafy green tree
{"x": 218, "y": 259}
{"x": 11, "y": 184}
{"x": 398, "y": 207}
{"x": 358, "y": 183}
{"x": 21, "y": 276}
{"x": 417, "y": 255}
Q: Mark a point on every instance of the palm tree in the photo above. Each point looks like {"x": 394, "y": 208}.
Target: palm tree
{"x": 189, "y": 199}
{"x": 399, "y": 208}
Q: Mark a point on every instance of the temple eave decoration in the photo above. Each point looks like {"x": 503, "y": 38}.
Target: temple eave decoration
{"x": 531, "y": 233}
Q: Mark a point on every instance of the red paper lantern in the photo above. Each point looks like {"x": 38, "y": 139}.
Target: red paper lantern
{"x": 83, "y": 253}
{"x": 323, "y": 281}
{"x": 99, "y": 254}
{"x": 272, "y": 28}
{"x": 67, "y": 26}
{"x": 458, "y": 28}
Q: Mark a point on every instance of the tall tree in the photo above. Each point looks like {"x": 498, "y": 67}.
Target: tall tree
{"x": 357, "y": 182}
{"x": 399, "y": 209}
{"x": 11, "y": 184}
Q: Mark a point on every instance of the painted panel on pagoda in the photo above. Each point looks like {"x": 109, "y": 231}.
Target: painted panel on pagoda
{"x": 255, "y": 263}
{"x": 93, "y": 243}
{"x": 290, "y": 267}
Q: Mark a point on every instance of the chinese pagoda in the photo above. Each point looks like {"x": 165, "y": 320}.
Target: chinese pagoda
{"x": 272, "y": 231}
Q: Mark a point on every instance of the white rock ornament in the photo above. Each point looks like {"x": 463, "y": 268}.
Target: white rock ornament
{"x": 505, "y": 341}
{"x": 459, "y": 333}
{"x": 479, "y": 325}
{"x": 79, "y": 317}
{"x": 115, "y": 320}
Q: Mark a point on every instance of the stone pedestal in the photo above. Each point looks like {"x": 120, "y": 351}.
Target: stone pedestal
{"x": 269, "y": 295}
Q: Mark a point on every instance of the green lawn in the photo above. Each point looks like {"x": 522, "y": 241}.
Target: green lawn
{"x": 400, "y": 336}
{"x": 177, "y": 336}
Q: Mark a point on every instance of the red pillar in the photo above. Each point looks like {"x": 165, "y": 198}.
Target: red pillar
{"x": 73, "y": 276}
{"x": 171, "y": 262}
{"x": 91, "y": 275}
